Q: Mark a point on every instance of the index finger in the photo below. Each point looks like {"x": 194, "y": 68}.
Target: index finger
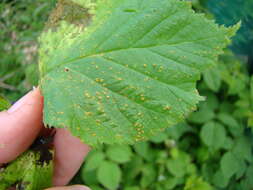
{"x": 20, "y": 125}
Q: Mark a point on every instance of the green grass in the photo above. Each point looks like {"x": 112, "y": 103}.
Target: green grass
{"x": 21, "y": 22}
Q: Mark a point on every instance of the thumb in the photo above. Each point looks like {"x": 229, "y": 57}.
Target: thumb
{"x": 20, "y": 125}
{"x": 74, "y": 187}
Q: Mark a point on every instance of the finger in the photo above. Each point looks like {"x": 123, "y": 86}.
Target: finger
{"x": 74, "y": 187}
{"x": 20, "y": 125}
{"x": 69, "y": 156}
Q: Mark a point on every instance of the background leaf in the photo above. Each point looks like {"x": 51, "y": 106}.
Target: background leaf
{"x": 212, "y": 79}
{"x": 119, "y": 154}
{"x": 213, "y": 135}
{"x": 4, "y": 104}
{"x": 109, "y": 175}
{"x": 229, "y": 165}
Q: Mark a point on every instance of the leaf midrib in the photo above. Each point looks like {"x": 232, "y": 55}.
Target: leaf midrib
{"x": 130, "y": 48}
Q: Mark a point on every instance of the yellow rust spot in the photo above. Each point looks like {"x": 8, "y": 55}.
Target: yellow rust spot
{"x": 87, "y": 95}
{"x": 88, "y": 113}
{"x": 160, "y": 69}
{"x": 118, "y": 136}
{"x": 144, "y": 65}
{"x": 146, "y": 79}
{"x": 167, "y": 108}
{"x": 99, "y": 80}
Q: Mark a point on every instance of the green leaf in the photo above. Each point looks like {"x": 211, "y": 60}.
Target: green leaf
{"x": 94, "y": 160}
{"x": 171, "y": 182}
{"x": 4, "y": 104}
{"x": 212, "y": 79}
{"x": 211, "y": 100}
{"x": 132, "y": 169}
{"x": 132, "y": 188}
{"x": 27, "y": 171}
{"x": 229, "y": 165}
{"x": 159, "y": 138}
{"x": 178, "y": 164}
{"x": 178, "y": 130}
{"x": 219, "y": 180}
{"x": 119, "y": 153}
{"x": 202, "y": 154}
{"x": 109, "y": 175}
{"x": 213, "y": 135}
{"x": 243, "y": 148}
{"x": 176, "y": 167}
{"x": 241, "y": 171}
{"x": 208, "y": 171}
{"x": 249, "y": 175}
{"x": 144, "y": 150}
{"x": 203, "y": 115}
{"x": 234, "y": 127}
{"x": 194, "y": 183}
{"x": 228, "y": 144}
{"x": 95, "y": 187}
{"x": 129, "y": 74}
{"x": 89, "y": 176}
{"x": 148, "y": 175}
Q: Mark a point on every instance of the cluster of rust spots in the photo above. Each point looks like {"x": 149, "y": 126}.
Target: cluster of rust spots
{"x": 142, "y": 97}
{"x": 140, "y": 131}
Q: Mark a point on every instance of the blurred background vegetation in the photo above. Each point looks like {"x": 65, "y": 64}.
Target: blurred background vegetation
{"x": 211, "y": 151}
{"x": 21, "y": 22}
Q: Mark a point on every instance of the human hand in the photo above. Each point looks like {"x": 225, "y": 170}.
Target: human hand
{"x": 22, "y": 123}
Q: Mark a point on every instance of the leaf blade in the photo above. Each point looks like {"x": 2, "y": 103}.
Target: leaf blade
{"x": 133, "y": 73}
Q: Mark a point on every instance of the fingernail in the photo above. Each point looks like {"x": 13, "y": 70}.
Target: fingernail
{"x": 24, "y": 100}
{"x": 79, "y": 187}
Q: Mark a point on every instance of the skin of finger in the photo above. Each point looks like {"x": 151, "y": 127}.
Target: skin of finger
{"x": 69, "y": 156}
{"x": 19, "y": 128}
{"x": 74, "y": 187}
